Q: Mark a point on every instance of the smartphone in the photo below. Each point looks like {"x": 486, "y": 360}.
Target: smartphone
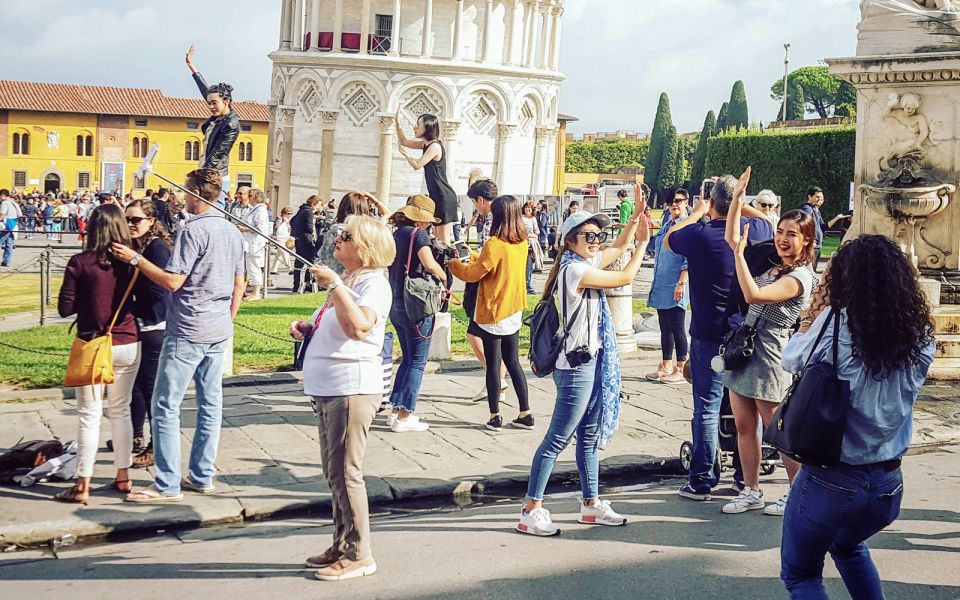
{"x": 707, "y": 187}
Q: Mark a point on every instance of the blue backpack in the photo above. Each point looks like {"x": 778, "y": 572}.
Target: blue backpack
{"x": 547, "y": 334}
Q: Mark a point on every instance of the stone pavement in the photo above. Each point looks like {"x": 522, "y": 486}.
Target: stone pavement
{"x": 269, "y": 458}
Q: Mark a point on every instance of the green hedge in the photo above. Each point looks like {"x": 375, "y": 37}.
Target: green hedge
{"x": 789, "y": 162}
{"x": 605, "y": 156}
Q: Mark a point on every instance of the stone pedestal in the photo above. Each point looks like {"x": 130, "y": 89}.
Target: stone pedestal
{"x": 621, "y": 310}
{"x": 440, "y": 342}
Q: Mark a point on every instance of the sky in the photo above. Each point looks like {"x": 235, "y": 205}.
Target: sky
{"x": 617, "y": 55}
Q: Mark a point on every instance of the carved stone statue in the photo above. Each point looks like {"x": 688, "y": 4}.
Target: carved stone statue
{"x": 908, "y": 26}
{"x": 906, "y": 161}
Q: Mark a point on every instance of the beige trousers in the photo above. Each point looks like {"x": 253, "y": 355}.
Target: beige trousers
{"x": 343, "y": 422}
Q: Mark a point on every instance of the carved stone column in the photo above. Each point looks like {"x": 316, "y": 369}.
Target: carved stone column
{"x": 554, "y": 62}
{"x": 395, "y": 30}
{"x": 505, "y": 131}
{"x": 338, "y": 26}
{"x": 326, "y": 153}
{"x": 450, "y": 129}
{"x": 284, "y": 152}
{"x": 621, "y": 308}
{"x": 531, "y": 33}
{"x": 514, "y": 29}
{"x": 285, "y": 37}
{"x": 458, "y": 33}
{"x": 298, "y": 25}
{"x": 365, "y": 27}
{"x": 539, "y": 159}
{"x": 385, "y": 165}
{"x": 544, "y": 45}
{"x": 426, "y": 49}
{"x": 314, "y": 25}
{"x": 487, "y": 32}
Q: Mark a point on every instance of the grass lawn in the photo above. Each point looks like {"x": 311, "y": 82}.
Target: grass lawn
{"x": 252, "y": 351}
{"x": 830, "y": 245}
{"x": 21, "y": 293}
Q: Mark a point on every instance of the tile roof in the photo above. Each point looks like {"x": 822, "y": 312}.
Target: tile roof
{"x": 105, "y": 100}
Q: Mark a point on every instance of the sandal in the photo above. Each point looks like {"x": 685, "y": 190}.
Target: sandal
{"x": 150, "y": 495}
{"x": 143, "y": 460}
{"x": 73, "y": 496}
{"x": 124, "y": 486}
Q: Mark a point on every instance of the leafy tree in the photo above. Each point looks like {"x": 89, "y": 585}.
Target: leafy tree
{"x": 699, "y": 162}
{"x": 824, "y": 93}
{"x": 796, "y": 104}
{"x": 659, "y": 143}
{"x": 738, "y": 115}
{"x": 605, "y": 156}
{"x": 722, "y": 118}
{"x": 846, "y": 101}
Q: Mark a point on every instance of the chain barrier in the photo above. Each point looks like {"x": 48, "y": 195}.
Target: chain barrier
{"x": 262, "y": 333}
{"x": 32, "y": 351}
{"x": 19, "y": 270}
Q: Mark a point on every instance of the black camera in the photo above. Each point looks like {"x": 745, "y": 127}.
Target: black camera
{"x": 442, "y": 253}
{"x": 579, "y": 356}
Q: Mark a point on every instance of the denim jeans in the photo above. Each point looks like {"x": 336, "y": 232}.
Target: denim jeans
{"x": 181, "y": 361}
{"x": 6, "y": 243}
{"x": 836, "y": 510}
{"x": 414, "y": 349}
{"x": 707, "y": 394}
{"x": 530, "y": 289}
{"x": 578, "y": 411}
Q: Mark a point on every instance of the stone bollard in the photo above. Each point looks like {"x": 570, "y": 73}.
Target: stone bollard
{"x": 440, "y": 342}
{"x": 227, "y": 367}
{"x": 621, "y": 309}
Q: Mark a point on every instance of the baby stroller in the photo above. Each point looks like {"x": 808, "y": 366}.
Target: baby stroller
{"x": 769, "y": 456}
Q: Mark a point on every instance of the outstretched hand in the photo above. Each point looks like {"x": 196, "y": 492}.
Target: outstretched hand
{"x": 190, "y": 53}
{"x": 743, "y": 241}
{"x": 740, "y": 190}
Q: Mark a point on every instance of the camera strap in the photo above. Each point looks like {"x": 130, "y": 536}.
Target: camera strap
{"x": 563, "y": 302}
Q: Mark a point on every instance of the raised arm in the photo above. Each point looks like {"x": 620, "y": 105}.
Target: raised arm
{"x": 606, "y": 280}
{"x": 197, "y": 77}
{"x": 415, "y": 143}
{"x": 430, "y": 154}
{"x": 699, "y": 211}
{"x": 732, "y": 234}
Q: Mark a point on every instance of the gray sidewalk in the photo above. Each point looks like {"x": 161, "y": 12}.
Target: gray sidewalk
{"x": 269, "y": 458}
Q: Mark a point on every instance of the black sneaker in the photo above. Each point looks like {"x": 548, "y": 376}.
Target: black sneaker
{"x": 495, "y": 424}
{"x": 523, "y": 422}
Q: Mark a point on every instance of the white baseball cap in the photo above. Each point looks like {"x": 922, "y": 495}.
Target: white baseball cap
{"x": 580, "y": 217}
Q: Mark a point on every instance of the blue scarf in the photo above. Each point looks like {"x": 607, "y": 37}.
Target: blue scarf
{"x": 609, "y": 358}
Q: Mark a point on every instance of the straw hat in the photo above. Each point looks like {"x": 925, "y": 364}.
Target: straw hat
{"x": 419, "y": 209}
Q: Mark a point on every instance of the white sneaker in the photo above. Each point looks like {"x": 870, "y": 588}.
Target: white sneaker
{"x": 537, "y": 522}
{"x": 503, "y": 385}
{"x": 777, "y": 508}
{"x": 747, "y": 500}
{"x": 600, "y": 514}
{"x": 391, "y": 419}
{"x": 411, "y": 423}
{"x": 482, "y": 394}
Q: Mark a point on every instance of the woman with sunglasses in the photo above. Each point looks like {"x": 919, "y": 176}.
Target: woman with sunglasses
{"x": 352, "y": 203}
{"x": 152, "y": 241}
{"x": 501, "y": 299}
{"x": 670, "y": 297}
{"x": 343, "y": 373}
{"x": 768, "y": 203}
{"x": 588, "y": 369}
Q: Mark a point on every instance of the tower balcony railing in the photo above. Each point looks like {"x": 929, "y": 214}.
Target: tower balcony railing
{"x": 349, "y": 42}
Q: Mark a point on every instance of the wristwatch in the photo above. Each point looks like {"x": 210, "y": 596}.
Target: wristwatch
{"x": 334, "y": 285}
{"x": 136, "y": 260}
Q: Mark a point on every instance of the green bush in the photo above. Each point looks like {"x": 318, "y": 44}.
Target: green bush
{"x": 789, "y": 162}
{"x": 605, "y": 156}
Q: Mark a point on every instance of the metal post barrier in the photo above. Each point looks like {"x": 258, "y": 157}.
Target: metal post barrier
{"x": 46, "y": 274}
{"x": 44, "y": 283}
{"x": 267, "y": 253}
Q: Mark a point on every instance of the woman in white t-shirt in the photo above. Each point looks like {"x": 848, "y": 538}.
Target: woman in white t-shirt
{"x": 343, "y": 373}
{"x": 587, "y": 372}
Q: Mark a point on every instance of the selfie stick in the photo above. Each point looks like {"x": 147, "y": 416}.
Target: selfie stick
{"x": 147, "y": 167}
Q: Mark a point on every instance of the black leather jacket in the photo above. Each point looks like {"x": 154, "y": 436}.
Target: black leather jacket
{"x": 303, "y": 225}
{"x": 220, "y": 133}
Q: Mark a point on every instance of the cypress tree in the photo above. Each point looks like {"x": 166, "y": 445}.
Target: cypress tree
{"x": 700, "y": 156}
{"x": 669, "y": 168}
{"x": 738, "y": 115}
{"x": 796, "y": 103}
{"x": 722, "y": 118}
{"x": 658, "y": 142}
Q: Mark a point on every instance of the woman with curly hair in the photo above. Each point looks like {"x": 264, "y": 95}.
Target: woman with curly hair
{"x": 152, "y": 240}
{"x": 886, "y": 347}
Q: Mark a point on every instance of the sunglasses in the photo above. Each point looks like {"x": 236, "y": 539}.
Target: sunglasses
{"x": 765, "y": 205}
{"x": 594, "y": 237}
{"x": 344, "y": 236}
{"x": 135, "y": 220}
{"x": 676, "y": 201}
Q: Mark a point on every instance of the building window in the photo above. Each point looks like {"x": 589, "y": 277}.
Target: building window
{"x": 88, "y": 146}
{"x": 139, "y": 182}
{"x": 246, "y": 128}
{"x": 245, "y": 151}
{"x": 380, "y": 42}
{"x": 21, "y": 143}
{"x": 19, "y": 179}
{"x": 79, "y": 145}
{"x": 140, "y": 144}
{"x": 193, "y": 125}
{"x": 191, "y": 150}
{"x": 83, "y": 180}
{"x": 140, "y": 123}
{"x": 244, "y": 179}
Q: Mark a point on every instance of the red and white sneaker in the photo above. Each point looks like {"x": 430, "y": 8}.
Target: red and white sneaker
{"x": 600, "y": 513}
{"x": 537, "y": 522}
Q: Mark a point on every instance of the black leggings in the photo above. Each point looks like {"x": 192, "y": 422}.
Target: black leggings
{"x": 673, "y": 333}
{"x": 150, "y": 344}
{"x": 506, "y": 348}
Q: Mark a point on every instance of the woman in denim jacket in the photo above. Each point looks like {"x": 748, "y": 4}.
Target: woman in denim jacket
{"x": 886, "y": 347}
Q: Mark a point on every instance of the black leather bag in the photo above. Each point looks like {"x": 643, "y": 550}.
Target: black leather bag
{"x": 737, "y": 347}
{"x": 811, "y": 420}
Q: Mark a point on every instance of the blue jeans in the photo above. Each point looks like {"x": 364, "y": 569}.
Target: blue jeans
{"x": 6, "y": 243}
{"x": 835, "y": 510}
{"x": 578, "y": 411}
{"x": 707, "y": 394}
{"x": 530, "y": 289}
{"x": 181, "y": 361}
{"x": 414, "y": 350}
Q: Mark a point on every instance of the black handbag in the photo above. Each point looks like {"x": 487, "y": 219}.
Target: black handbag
{"x": 736, "y": 348}
{"x": 810, "y": 422}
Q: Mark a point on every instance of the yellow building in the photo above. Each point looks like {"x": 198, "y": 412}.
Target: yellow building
{"x": 76, "y": 137}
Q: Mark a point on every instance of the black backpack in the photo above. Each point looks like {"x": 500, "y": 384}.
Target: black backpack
{"x": 547, "y": 336}
{"x": 27, "y": 455}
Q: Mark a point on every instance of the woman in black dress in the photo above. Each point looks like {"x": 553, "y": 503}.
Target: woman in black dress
{"x": 433, "y": 161}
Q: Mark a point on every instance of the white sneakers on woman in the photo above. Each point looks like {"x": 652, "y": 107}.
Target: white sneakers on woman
{"x": 411, "y": 423}
{"x": 747, "y": 500}
{"x": 538, "y": 521}
{"x": 482, "y": 394}
{"x": 600, "y": 514}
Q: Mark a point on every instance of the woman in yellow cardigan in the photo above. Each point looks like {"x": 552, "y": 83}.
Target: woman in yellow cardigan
{"x": 501, "y": 269}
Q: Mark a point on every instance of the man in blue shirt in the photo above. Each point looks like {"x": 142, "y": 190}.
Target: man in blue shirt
{"x": 711, "y": 273}
{"x": 812, "y": 206}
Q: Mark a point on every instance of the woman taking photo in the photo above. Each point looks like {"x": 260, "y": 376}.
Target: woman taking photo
{"x": 353, "y": 203}
{"x": 343, "y": 373}
{"x": 151, "y": 240}
{"x": 534, "y": 256}
{"x": 501, "y": 300}
{"x": 94, "y": 289}
{"x": 886, "y": 347}
{"x": 588, "y": 369}
{"x": 776, "y": 298}
{"x": 670, "y": 297}
{"x": 414, "y": 259}
{"x": 433, "y": 161}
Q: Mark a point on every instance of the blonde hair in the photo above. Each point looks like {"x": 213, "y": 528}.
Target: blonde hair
{"x": 375, "y": 246}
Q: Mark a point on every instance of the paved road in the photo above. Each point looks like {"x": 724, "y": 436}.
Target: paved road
{"x": 670, "y": 549}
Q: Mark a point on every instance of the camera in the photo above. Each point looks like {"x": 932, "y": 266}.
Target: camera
{"x": 442, "y": 253}
{"x": 579, "y": 356}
